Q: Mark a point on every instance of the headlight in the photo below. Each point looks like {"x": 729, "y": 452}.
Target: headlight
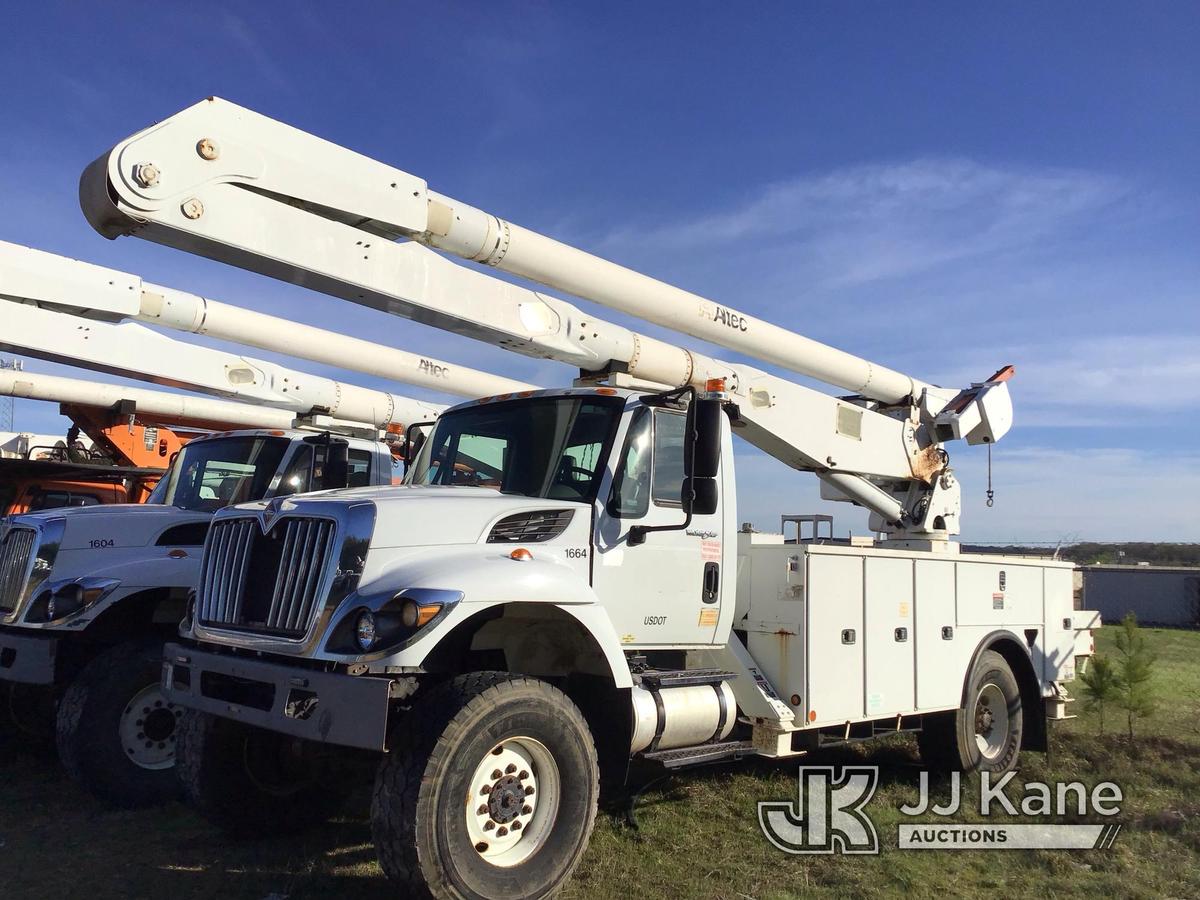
{"x": 66, "y": 598}
{"x": 375, "y": 624}
{"x": 64, "y": 601}
{"x": 364, "y": 631}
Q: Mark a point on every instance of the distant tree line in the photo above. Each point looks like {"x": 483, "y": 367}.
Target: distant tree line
{"x": 1089, "y": 553}
{"x": 1161, "y": 554}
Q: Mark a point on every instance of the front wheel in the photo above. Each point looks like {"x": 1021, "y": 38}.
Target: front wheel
{"x": 985, "y": 733}
{"x": 116, "y": 730}
{"x": 490, "y": 790}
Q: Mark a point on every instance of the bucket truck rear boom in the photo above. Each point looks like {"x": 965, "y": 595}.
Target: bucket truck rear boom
{"x": 133, "y": 351}
{"x": 90, "y": 291}
{"x": 577, "y": 593}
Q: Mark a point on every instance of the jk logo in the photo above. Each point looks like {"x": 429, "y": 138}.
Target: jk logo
{"x": 828, "y": 815}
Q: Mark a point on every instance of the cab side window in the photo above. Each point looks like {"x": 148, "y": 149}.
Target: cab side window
{"x": 295, "y": 479}
{"x": 630, "y": 496}
{"x": 58, "y": 499}
{"x": 358, "y": 472}
{"x": 669, "y": 430}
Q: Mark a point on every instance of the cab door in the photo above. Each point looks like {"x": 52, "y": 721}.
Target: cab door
{"x": 668, "y": 589}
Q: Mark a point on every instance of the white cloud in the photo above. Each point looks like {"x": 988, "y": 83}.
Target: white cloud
{"x": 866, "y": 223}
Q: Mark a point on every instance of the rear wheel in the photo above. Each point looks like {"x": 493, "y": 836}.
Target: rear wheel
{"x": 249, "y": 781}
{"x": 116, "y": 730}
{"x": 490, "y": 790}
{"x": 985, "y": 734}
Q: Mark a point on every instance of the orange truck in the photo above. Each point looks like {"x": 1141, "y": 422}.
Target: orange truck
{"x": 123, "y": 463}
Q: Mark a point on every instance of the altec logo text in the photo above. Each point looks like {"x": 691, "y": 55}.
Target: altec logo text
{"x": 830, "y": 815}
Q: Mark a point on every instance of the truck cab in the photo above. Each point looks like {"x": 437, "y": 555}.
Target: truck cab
{"x": 40, "y": 486}
{"x": 89, "y": 593}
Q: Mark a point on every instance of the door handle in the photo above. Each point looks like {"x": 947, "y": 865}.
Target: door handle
{"x": 711, "y": 588}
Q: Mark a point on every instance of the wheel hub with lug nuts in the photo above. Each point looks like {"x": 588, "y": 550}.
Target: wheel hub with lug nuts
{"x": 991, "y": 721}
{"x": 512, "y": 801}
{"x": 147, "y": 729}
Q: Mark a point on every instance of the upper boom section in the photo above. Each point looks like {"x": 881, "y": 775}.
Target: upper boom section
{"x": 240, "y": 188}
{"x": 164, "y": 173}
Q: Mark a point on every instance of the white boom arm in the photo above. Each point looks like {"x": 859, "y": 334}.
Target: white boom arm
{"x": 238, "y": 187}
{"x": 84, "y": 289}
{"x": 133, "y": 351}
{"x": 176, "y": 409}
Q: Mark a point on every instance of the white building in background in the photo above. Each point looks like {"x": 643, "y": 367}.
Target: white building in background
{"x": 1157, "y": 595}
{"x": 18, "y": 444}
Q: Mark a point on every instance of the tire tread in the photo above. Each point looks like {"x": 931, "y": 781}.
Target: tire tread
{"x": 430, "y": 732}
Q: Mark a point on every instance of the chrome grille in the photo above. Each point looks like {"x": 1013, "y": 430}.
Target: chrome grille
{"x": 265, "y": 582}
{"x": 16, "y": 558}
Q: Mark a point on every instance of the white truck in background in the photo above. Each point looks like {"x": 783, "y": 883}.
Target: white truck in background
{"x": 87, "y": 595}
{"x": 560, "y": 585}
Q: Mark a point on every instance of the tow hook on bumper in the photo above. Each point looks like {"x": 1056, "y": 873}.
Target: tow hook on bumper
{"x": 330, "y": 707}
{"x": 27, "y": 658}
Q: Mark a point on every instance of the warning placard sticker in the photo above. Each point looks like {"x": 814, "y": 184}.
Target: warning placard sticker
{"x": 710, "y": 550}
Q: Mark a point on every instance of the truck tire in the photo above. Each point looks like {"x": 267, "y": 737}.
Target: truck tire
{"x": 251, "y": 782}
{"x": 490, "y": 790}
{"x": 985, "y": 734}
{"x": 116, "y": 731}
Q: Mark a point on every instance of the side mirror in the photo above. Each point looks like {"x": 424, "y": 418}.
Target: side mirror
{"x": 337, "y": 465}
{"x": 701, "y": 500}
{"x": 704, "y": 427}
{"x": 702, "y": 459}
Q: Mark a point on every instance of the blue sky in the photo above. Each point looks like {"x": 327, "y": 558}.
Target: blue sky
{"x": 943, "y": 188}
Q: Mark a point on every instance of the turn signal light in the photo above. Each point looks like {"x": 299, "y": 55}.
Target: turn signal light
{"x": 416, "y": 615}
{"x": 521, "y": 555}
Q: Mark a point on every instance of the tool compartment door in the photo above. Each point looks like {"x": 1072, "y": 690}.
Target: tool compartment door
{"x": 834, "y": 635}
{"x": 942, "y": 653}
{"x": 888, "y": 627}
{"x": 1058, "y": 649}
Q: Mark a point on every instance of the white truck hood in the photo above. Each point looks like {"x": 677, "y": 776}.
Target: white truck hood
{"x": 428, "y": 515}
{"x": 124, "y": 524}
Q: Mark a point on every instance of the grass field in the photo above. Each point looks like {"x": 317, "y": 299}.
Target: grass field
{"x": 697, "y": 834}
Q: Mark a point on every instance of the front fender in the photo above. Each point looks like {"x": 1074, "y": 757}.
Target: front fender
{"x": 487, "y": 578}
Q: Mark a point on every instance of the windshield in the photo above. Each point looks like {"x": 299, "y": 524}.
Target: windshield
{"x": 211, "y": 474}
{"x": 553, "y": 448}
